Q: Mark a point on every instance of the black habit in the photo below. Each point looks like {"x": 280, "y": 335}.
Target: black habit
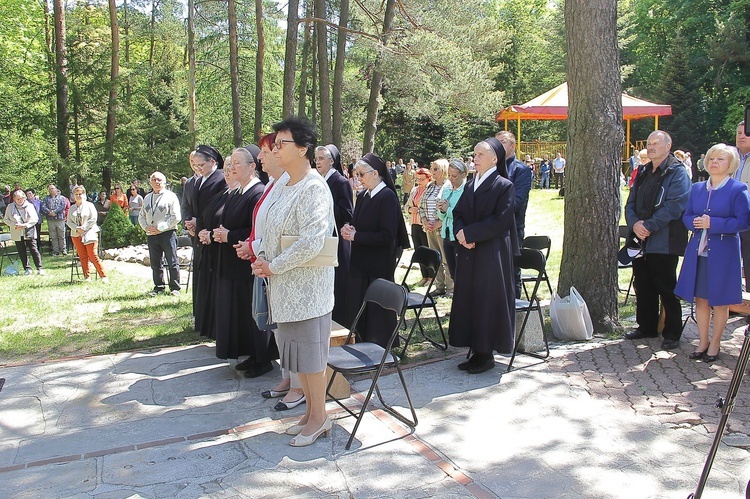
{"x": 375, "y": 221}
{"x": 206, "y": 269}
{"x": 236, "y": 333}
{"x": 343, "y": 207}
{"x": 204, "y": 194}
{"x": 483, "y": 310}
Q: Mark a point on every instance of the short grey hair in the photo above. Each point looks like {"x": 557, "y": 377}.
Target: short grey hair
{"x": 327, "y": 153}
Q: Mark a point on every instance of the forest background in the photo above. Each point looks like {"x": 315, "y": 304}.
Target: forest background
{"x": 414, "y": 79}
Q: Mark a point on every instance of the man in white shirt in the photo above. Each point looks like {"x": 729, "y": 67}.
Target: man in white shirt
{"x": 558, "y": 168}
{"x": 159, "y": 218}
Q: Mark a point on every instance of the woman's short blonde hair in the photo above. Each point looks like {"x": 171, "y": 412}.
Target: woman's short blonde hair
{"x": 79, "y": 188}
{"x": 734, "y": 157}
{"x": 442, "y": 165}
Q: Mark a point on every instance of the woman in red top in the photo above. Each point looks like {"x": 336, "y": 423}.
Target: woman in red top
{"x": 418, "y": 235}
{"x": 119, "y": 198}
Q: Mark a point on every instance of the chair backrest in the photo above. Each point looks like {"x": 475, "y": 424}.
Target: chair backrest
{"x": 543, "y": 243}
{"x": 387, "y": 294}
{"x": 184, "y": 241}
{"x": 623, "y": 231}
{"x": 531, "y": 259}
{"x": 426, "y": 257}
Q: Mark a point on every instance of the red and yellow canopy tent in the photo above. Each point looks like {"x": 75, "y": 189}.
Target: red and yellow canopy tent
{"x": 553, "y": 105}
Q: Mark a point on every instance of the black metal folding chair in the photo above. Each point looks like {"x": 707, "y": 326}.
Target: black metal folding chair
{"x": 624, "y": 232}
{"x": 430, "y": 259}
{"x": 7, "y": 250}
{"x": 541, "y": 243}
{"x": 186, "y": 242}
{"x": 533, "y": 260}
{"x": 370, "y": 358}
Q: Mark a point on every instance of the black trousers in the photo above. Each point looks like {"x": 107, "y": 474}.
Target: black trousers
{"x": 30, "y": 245}
{"x": 164, "y": 245}
{"x": 419, "y": 238}
{"x": 559, "y": 180}
{"x": 655, "y": 277}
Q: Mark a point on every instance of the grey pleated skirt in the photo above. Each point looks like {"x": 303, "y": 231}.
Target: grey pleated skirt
{"x": 303, "y": 345}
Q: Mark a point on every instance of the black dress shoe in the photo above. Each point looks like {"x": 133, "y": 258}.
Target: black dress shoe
{"x": 697, "y": 355}
{"x": 710, "y": 358}
{"x": 463, "y": 366}
{"x": 259, "y": 370}
{"x": 485, "y": 364}
{"x": 637, "y": 334}
{"x": 245, "y": 365}
{"x": 670, "y": 344}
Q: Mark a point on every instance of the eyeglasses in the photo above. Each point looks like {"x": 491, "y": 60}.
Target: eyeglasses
{"x": 362, "y": 174}
{"x": 280, "y": 143}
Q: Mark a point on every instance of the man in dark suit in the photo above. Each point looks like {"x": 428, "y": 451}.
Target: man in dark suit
{"x": 328, "y": 164}
{"x": 521, "y": 176}
{"x": 188, "y": 190}
{"x": 483, "y": 309}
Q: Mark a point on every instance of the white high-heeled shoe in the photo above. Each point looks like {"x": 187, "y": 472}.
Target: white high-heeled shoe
{"x": 294, "y": 429}
{"x": 305, "y": 440}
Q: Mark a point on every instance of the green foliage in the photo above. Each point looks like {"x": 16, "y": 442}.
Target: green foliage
{"x": 118, "y": 231}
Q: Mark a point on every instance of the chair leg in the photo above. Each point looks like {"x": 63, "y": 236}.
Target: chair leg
{"x": 411, "y": 423}
{"x": 518, "y": 340}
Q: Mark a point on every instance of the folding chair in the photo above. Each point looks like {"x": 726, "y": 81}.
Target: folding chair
{"x": 624, "y": 232}
{"x": 185, "y": 242}
{"x": 530, "y": 259}
{"x": 9, "y": 252}
{"x": 542, "y": 243}
{"x": 370, "y": 358}
{"x": 430, "y": 259}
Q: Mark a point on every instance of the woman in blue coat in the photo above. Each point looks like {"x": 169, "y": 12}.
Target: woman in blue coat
{"x": 717, "y": 211}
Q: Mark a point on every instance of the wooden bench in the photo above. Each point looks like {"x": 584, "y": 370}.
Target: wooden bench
{"x": 742, "y": 308}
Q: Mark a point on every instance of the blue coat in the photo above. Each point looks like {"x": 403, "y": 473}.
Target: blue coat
{"x": 729, "y": 209}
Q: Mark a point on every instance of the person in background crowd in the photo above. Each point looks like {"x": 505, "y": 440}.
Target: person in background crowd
{"x": 418, "y": 235}
{"x": 138, "y": 187}
{"x": 85, "y": 233}
{"x": 642, "y": 160}
{"x": 188, "y": 192}
{"x": 102, "y": 208}
{"x": 7, "y": 197}
{"x": 431, "y": 223}
{"x": 54, "y": 208}
{"x": 558, "y": 168}
{"x": 742, "y": 142}
{"x": 37, "y": 203}
{"x": 119, "y": 198}
{"x": 448, "y": 200}
{"x": 483, "y": 309}
{"x": 21, "y": 217}
{"x": 135, "y": 202}
{"x": 545, "y": 168}
{"x": 654, "y": 214}
{"x": 408, "y": 178}
{"x": 326, "y": 161}
{"x": 682, "y": 156}
{"x": 159, "y": 218}
{"x": 717, "y": 211}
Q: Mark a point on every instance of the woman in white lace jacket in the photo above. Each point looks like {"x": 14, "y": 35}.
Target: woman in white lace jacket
{"x": 300, "y": 297}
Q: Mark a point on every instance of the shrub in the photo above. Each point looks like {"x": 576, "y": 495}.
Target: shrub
{"x": 118, "y": 231}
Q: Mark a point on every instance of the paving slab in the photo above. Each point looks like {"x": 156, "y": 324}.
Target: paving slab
{"x": 606, "y": 418}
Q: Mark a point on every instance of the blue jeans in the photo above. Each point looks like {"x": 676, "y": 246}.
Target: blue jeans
{"x": 545, "y": 181}
{"x": 164, "y": 245}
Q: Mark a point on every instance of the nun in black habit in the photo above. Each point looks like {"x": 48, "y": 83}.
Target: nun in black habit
{"x": 378, "y": 234}
{"x": 328, "y": 164}
{"x": 237, "y": 335}
{"x": 483, "y": 308}
{"x": 208, "y": 188}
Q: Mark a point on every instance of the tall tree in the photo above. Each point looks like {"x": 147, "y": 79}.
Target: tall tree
{"x": 338, "y": 73}
{"x": 592, "y": 179}
{"x": 259, "y": 57}
{"x": 306, "y": 50}
{"x": 192, "y": 110}
{"x": 290, "y": 58}
{"x": 114, "y": 76}
{"x": 376, "y": 83}
{"x": 234, "y": 75}
{"x": 324, "y": 85}
{"x": 61, "y": 83}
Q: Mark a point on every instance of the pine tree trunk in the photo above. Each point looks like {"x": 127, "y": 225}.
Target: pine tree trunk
{"x": 324, "y": 85}
{"x": 305, "y": 62}
{"x": 114, "y": 75}
{"x": 338, "y": 72}
{"x": 61, "y": 90}
{"x": 592, "y": 173}
{"x": 191, "y": 72}
{"x": 290, "y": 58}
{"x": 259, "y": 57}
{"x": 234, "y": 74}
{"x": 313, "y": 76}
{"x": 376, "y": 85}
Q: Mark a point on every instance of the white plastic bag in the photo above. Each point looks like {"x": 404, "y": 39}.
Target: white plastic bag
{"x": 570, "y": 317}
